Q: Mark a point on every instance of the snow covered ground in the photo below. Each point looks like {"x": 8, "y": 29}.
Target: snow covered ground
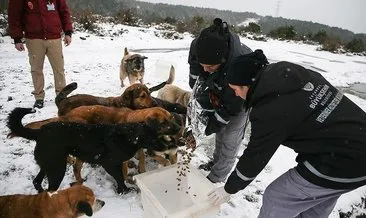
{"x": 94, "y": 64}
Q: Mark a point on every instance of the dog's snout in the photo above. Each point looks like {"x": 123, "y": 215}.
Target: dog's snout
{"x": 98, "y": 205}
{"x": 100, "y": 202}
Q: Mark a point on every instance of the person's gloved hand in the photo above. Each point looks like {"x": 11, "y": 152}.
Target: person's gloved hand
{"x": 213, "y": 126}
{"x": 218, "y": 196}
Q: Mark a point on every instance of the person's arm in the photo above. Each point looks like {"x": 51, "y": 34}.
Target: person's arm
{"x": 16, "y": 10}
{"x": 270, "y": 126}
{"x": 65, "y": 17}
{"x": 227, "y": 106}
{"x": 266, "y": 136}
{"x": 195, "y": 68}
{"x": 255, "y": 157}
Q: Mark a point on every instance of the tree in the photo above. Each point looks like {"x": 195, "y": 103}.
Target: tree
{"x": 355, "y": 45}
{"x": 127, "y": 16}
{"x": 252, "y": 28}
{"x": 285, "y": 32}
{"x": 320, "y": 37}
{"x": 331, "y": 44}
{"x": 196, "y": 24}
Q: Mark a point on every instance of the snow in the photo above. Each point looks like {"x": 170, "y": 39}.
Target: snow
{"x": 94, "y": 64}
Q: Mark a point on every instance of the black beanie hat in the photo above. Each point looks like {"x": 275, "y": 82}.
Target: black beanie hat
{"x": 244, "y": 68}
{"x": 212, "y": 43}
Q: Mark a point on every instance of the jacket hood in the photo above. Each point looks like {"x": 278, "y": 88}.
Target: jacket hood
{"x": 276, "y": 79}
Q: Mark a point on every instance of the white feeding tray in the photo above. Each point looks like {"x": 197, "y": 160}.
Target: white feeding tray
{"x": 161, "y": 197}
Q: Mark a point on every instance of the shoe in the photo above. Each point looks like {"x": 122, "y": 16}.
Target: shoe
{"x": 207, "y": 166}
{"x": 38, "y": 103}
{"x": 210, "y": 180}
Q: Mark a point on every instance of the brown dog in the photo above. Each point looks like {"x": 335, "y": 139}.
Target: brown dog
{"x": 133, "y": 67}
{"x": 172, "y": 142}
{"x": 72, "y": 202}
{"x": 136, "y": 96}
{"x": 98, "y": 114}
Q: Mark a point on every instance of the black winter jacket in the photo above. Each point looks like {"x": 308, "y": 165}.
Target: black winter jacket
{"x": 300, "y": 109}
{"x": 215, "y": 83}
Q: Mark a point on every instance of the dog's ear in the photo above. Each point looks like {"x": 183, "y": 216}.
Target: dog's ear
{"x": 126, "y": 52}
{"x": 84, "y": 207}
{"x": 127, "y": 97}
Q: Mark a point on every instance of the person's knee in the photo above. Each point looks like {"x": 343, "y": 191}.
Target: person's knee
{"x": 266, "y": 195}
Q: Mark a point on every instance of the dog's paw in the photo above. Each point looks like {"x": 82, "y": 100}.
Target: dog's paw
{"x": 130, "y": 181}
{"x": 38, "y": 186}
{"x": 10, "y": 135}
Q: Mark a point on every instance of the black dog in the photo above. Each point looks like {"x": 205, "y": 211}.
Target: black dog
{"x": 105, "y": 145}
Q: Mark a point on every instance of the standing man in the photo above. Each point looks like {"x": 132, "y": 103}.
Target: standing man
{"x": 214, "y": 106}
{"x": 300, "y": 109}
{"x": 41, "y": 23}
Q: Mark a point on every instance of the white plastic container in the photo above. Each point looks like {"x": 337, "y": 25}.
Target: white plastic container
{"x": 161, "y": 197}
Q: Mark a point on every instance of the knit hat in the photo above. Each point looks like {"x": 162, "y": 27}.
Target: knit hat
{"x": 212, "y": 43}
{"x": 244, "y": 68}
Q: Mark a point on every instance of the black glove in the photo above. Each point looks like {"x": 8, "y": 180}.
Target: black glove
{"x": 213, "y": 126}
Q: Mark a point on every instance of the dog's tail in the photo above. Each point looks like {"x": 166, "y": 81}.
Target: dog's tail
{"x": 15, "y": 123}
{"x": 126, "y": 51}
{"x": 169, "y": 80}
{"x": 34, "y": 125}
{"x": 65, "y": 92}
{"x": 171, "y": 75}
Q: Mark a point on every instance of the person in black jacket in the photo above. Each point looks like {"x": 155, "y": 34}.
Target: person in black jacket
{"x": 300, "y": 109}
{"x": 214, "y": 107}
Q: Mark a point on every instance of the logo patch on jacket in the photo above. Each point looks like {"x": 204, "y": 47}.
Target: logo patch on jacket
{"x": 308, "y": 87}
{"x": 30, "y": 5}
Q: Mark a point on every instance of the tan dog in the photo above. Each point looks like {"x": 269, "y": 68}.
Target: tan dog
{"x": 133, "y": 67}
{"x": 173, "y": 93}
{"x": 72, "y": 202}
{"x": 98, "y": 114}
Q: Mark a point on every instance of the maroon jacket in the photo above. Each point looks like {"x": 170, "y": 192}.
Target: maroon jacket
{"x": 32, "y": 19}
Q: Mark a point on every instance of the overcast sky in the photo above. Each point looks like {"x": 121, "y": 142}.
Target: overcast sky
{"x": 346, "y": 14}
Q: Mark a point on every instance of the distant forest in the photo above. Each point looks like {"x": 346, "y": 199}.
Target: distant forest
{"x": 150, "y": 12}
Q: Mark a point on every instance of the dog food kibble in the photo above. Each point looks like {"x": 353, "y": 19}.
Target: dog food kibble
{"x": 183, "y": 168}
